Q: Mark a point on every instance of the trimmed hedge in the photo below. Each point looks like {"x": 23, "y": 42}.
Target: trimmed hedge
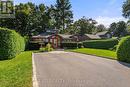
{"x": 11, "y": 44}
{"x": 71, "y": 45}
{"x": 123, "y": 50}
{"x": 100, "y": 44}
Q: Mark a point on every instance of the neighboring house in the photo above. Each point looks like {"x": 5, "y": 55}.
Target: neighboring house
{"x": 104, "y": 35}
{"x": 56, "y": 39}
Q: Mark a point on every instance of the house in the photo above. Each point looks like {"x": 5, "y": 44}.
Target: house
{"x": 85, "y": 37}
{"x": 104, "y": 35}
{"x": 52, "y": 36}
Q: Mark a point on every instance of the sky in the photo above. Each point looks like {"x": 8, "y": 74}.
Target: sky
{"x": 103, "y": 11}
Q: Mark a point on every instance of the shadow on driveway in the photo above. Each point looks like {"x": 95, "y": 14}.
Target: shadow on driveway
{"x": 125, "y": 64}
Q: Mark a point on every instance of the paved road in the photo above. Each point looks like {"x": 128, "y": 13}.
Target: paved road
{"x": 66, "y": 69}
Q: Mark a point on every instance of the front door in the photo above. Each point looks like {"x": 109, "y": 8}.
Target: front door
{"x": 55, "y": 42}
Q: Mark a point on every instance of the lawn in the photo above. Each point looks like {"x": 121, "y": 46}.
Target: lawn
{"x": 17, "y": 72}
{"x": 97, "y": 52}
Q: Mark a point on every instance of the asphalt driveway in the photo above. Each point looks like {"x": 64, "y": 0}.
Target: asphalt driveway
{"x": 67, "y": 69}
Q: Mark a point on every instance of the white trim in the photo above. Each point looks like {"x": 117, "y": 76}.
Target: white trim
{"x": 35, "y": 81}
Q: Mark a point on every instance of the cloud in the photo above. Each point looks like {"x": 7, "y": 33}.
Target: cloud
{"x": 108, "y": 20}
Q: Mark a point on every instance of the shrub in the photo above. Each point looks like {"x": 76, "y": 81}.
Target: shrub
{"x": 42, "y": 49}
{"x": 71, "y": 45}
{"x": 100, "y": 44}
{"x": 48, "y": 48}
{"x": 11, "y": 44}
{"x": 123, "y": 50}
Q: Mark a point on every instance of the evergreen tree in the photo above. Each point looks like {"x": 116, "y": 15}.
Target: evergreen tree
{"x": 63, "y": 14}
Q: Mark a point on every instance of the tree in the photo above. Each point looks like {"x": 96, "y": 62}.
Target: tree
{"x": 63, "y": 15}
{"x": 126, "y": 12}
{"x": 84, "y": 25}
{"x": 126, "y": 9}
{"x": 39, "y": 20}
{"x": 100, "y": 28}
{"x": 29, "y": 18}
{"x": 113, "y": 28}
{"x": 128, "y": 26}
{"x": 121, "y": 29}
{"x": 118, "y": 29}
{"x": 22, "y": 13}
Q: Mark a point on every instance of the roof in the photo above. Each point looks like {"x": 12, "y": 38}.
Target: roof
{"x": 93, "y": 36}
{"x": 41, "y": 36}
{"x": 45, "y": 35}
{"x": 102, "y": 33}
{"x": 65, "y": 36}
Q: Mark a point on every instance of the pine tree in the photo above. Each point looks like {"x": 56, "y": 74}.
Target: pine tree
{"x": 63, "y": 14}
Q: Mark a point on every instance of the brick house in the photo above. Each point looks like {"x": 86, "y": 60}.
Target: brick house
{"x": 56, "y": 39}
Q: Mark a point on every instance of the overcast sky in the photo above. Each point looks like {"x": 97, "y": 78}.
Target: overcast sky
{"x": 103, "y": 11}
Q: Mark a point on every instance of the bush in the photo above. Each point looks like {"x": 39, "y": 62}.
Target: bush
{"x": 123, "y": 50}
{"x": 42, "y": 49}
{"x": 100, "y": 44}
{"x": 71, "y": 45}
{"x": 48, "y": 48}
{"x": 11, "y": 44}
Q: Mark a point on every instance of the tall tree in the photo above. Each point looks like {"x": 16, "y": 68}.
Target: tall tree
{"x": 100, "y": 28}
{"x": 113, "y": 28}
{"x": 128, "y": 26}
{"x": 63, "y": 14}
{"x": 121, "y": 29}
{"x": 126, "y": 13}
{"x": 22, "y": 13}
{"x": 29, "y": 18}
{"x": 84, "y": 25}
{"x": 126, "y": 9}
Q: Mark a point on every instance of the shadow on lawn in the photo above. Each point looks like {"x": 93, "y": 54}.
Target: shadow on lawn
{"x": 125, "y": 64}
{"x": 1, "y": 60}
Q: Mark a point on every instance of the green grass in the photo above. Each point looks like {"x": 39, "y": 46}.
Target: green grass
{"x": 17, "y": 72}
{"x": 97, "y": 52}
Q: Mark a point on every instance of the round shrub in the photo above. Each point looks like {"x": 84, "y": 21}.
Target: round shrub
{"x": 11, "y": 44}
{"x": 123, "y": 50}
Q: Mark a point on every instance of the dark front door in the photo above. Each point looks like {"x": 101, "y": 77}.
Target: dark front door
{"x": 56, "y": 41}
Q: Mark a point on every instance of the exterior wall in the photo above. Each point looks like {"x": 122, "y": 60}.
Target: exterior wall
{"x": 105, "y": 36}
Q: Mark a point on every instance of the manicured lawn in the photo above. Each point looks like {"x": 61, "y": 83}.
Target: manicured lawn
{"x": 97, "y": 52}
{"x": 17, "y": 72}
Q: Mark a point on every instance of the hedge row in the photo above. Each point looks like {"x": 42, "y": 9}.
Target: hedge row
{"x": 100, "y": 44}
{"x": 11, "y": 43}
{"x": 71, "y": 45}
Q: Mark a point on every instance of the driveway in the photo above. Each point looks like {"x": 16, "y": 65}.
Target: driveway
{"x": 68, "y": 69}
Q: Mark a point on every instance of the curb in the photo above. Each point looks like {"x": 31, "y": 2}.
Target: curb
{"x": 35, "y": 81}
